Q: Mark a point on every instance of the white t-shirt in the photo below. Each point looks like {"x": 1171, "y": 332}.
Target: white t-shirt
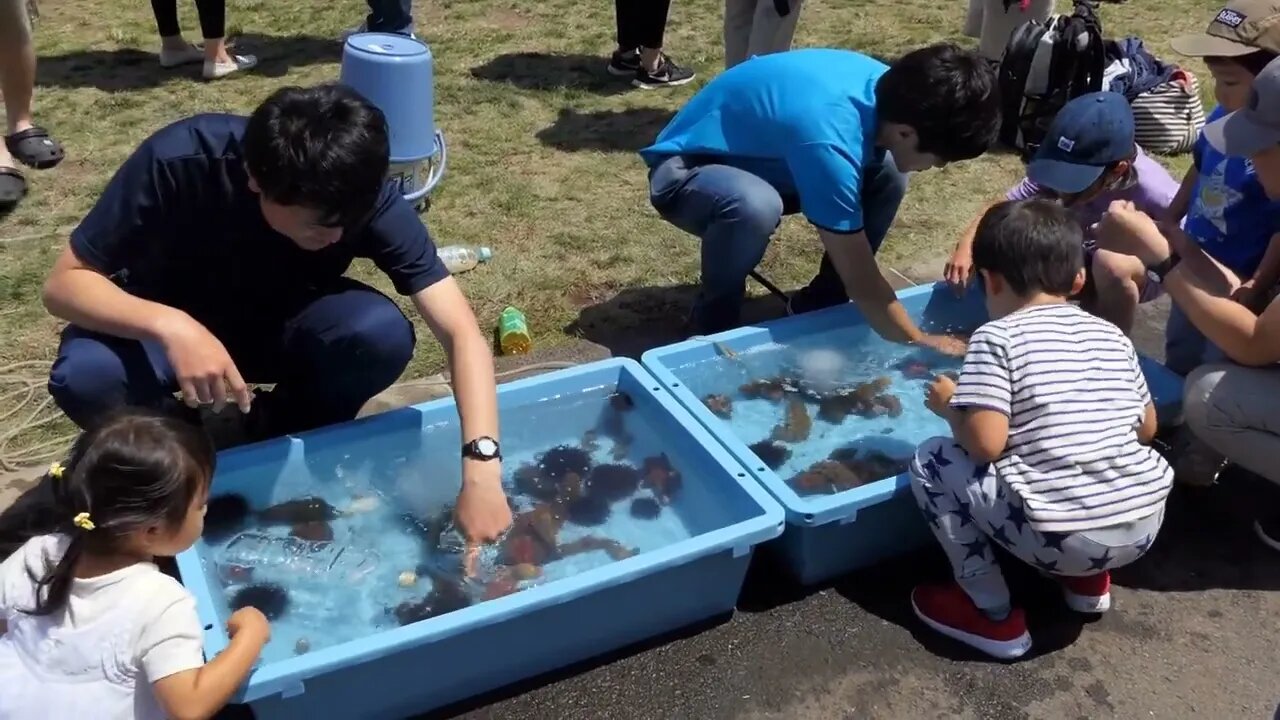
{"x": 97, "y": 658}
{"x": 1075, "y": 396}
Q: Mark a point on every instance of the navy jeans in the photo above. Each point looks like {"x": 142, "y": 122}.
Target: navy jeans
{"x": 735, "y": 213}
{"x": 390, "y": 16}
{"x": 327, "y": 354}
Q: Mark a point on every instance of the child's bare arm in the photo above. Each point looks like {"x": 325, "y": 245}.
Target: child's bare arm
{"x": 199, "y": 693}
{"x": 1182, "y": 200}
{"x": 982, "y": 433}
{"x": 1147, "y": 430}
{"x": 959, "y": 268}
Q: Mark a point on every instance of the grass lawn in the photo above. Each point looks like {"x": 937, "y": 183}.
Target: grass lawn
{"x": 541, "y": 142}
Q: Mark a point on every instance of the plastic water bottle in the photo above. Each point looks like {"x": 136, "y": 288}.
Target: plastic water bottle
{"x": 461, "y": 258}
{"x": 295, "y": 557}
{"x": 513, "y": 333}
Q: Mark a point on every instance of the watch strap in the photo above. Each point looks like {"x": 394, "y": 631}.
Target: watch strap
{"x": 472, "y": 449}
{"x": 1164, "y": 267}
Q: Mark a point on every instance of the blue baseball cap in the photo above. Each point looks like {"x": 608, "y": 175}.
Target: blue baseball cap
{"x": 1089, "y": 133}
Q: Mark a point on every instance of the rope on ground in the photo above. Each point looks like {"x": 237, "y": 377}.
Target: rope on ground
{"x": 25, "y": 406}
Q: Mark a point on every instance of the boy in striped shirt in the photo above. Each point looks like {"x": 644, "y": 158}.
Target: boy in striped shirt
{"x": 1052, "y": 422}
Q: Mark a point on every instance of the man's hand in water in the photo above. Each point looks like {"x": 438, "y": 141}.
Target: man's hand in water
{"x": 202, "y": 366}
{"x": 482, "y": 512}
{"x": 951, "y": 345}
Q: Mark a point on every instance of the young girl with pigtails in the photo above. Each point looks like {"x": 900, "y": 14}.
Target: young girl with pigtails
{"x": 89, "y": 626}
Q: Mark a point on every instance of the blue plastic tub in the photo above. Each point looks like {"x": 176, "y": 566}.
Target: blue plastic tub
{"x": 829, "y": 535}
{"x": 406, "y": 670}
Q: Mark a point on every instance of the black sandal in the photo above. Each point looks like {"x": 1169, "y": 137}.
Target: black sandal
{"x": 35, "y": 148}
{"x": 13, "y": 187}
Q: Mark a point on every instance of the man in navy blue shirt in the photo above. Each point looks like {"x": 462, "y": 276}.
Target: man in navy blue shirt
{"x": 827, "y": 133}
{"x": 215, "y": 257}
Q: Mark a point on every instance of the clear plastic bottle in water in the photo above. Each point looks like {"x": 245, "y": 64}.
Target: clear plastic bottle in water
{"x": 283, "y": 555}
{"x": 461, "y": 258}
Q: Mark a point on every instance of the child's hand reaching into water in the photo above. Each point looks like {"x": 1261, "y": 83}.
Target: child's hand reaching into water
{"x": 250, "y": 622}
{"x": 959, "y": 269}
{"x": 938, "y": 396}
{"x": 203, "y": 691}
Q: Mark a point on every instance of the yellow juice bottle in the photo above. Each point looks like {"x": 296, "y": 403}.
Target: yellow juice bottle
{"x": 513, "y": 333}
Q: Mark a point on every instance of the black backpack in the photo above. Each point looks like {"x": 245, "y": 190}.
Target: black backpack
{"x": 1045, "y": 64}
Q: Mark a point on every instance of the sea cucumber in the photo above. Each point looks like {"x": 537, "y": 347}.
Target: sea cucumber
{"x": 795, "y": 428}
{"x": 771, "y": 453}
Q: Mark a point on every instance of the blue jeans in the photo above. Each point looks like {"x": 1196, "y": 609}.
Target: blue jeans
{"x": 735, "y": 212}
{"x": 1185, "y": 347}
{"x": 327, "y": 354}
{"x": 390, "y": 16}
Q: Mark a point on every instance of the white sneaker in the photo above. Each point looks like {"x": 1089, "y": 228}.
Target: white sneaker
{"x": 215, "y": 70}
{"x": 185, "y": 56}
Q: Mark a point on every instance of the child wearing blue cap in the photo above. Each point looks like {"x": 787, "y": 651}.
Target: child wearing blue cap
{"x": 1087, "y": 160}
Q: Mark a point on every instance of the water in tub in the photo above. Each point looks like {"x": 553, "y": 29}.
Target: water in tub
{"x": 358, "y": 538}
{"x": 827, "y": 412}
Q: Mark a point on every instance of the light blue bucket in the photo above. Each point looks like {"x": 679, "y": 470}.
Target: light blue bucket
{"x": 396, "y": 73}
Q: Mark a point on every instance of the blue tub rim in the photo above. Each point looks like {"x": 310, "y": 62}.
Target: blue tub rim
{"x": 287, "y": 678}
{"x": 808, "y": 511}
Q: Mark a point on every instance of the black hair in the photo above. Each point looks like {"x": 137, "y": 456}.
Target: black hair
{"x": 1035, "y": 245}
{"x": 133, "y": 469}
{"x": 948, "y": 95}
{"x": 324, "y": 148}
{"x": 1253, "y": 63}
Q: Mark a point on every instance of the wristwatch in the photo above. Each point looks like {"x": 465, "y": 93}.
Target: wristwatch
{"x": 1160, "y": 270}
{"x": 482, "y": 448}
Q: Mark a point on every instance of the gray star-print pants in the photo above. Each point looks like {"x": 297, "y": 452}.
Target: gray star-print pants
{"x": 968, "y": 508}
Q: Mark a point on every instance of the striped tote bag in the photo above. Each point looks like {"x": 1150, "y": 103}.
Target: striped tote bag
{"x": 1167, "y": 118}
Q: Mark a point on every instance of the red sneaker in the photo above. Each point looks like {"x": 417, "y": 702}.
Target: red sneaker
{"x": 947, "y": 609}
{"x": 1087, "y": 594}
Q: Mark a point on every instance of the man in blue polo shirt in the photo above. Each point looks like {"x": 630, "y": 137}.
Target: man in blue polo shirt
{"x": 827, "y": 133}
{"x": 215, "y": 257}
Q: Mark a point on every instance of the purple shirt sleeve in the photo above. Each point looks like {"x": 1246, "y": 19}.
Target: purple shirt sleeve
{"x": 1024, "y": 190}
{"x": 1156, "y": 188}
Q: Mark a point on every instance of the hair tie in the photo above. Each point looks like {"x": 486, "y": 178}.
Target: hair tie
{"x": 83, "y": 522}
{"x": 56, "y": 469}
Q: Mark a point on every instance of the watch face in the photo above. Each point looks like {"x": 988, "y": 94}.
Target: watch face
{"x": 486, "y": 447}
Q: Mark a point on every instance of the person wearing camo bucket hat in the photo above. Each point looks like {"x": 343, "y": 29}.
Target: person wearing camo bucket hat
{"x": 1229, "y": 406}
{"x": 1241, "y": 27}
